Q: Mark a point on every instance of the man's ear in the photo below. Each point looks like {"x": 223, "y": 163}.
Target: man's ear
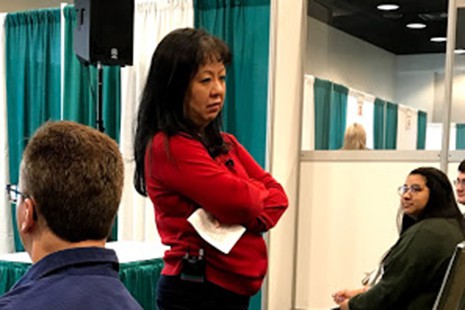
{"x": 28, "y": 218}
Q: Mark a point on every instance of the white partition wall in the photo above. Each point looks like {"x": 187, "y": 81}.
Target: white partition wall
{"x": 434, "y": 136}
{"x": 407, "y": 128}
{"x": 360, "y": 107}
{"x": 286, "y": 92}
{"x": 308, "y": 114}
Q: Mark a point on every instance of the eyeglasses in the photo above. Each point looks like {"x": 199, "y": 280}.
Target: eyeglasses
{"x": 414, "y": 189}
{"x": 13, "y": 193}
{"x": 459, "y": 181}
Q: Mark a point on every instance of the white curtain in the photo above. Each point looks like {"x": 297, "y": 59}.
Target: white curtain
{"x": 6, "y": 228}
{"x": 407, "y": 128}
{"x": 434, "y": 136}
{"x": 360, "y": 109}
{"x": 308, "y": 114}
{"x": 153, "y": 19}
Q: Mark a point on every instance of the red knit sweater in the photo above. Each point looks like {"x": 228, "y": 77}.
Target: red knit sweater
{"x": 181, "y": 176}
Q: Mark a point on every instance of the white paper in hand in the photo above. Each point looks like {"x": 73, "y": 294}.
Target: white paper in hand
{"x": 223, "y": 237}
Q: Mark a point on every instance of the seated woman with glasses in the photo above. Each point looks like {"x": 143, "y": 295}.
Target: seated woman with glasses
{"x": 414, "y": 267}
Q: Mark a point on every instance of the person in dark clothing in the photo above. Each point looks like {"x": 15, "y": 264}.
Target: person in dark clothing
{"x": 70, "y": 185}
{"x": 414, "y": 267}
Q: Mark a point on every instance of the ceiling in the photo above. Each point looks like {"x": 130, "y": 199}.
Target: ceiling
{"x": 387, "y": 29}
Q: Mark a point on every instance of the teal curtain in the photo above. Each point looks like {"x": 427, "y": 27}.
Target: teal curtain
{"x": 322, "y": 98}
{"x": 378, "y": 124}
{"x": 10, "y": 273}
{"x": 330, "y": 102}
{"x": 33, "y": 80}
{"x": 80, "y": 90}
{"x": 338, "y": 115}
{"x": 141, "y": 278}
{"x": 460, "y": 137}
{"x": 421, "y": 130}
{"x": 391, "y": 126}
{"x": 244, "y": 25}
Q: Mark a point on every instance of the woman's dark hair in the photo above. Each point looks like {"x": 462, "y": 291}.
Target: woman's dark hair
{"x": 175, "y": 62}
{"x": 441, "y": 202}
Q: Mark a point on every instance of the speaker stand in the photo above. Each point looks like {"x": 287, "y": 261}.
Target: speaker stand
{"x": 99, "y": 103}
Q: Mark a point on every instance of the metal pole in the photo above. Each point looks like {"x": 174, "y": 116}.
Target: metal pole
{"x": 99, "y": 103}
{"x": 448, "y": 80}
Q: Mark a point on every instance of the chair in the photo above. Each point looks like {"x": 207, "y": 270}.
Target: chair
{"x": 452, "y": 293}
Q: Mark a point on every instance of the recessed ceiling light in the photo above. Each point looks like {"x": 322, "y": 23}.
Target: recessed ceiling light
{"x": 387, "y": 7}
{"x": 459, "y": 51}
{"x": 416, "y": 26}
{"x": 438, "y": 39}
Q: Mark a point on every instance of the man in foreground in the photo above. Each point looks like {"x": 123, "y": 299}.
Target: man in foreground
{"x": 71, "y": 180}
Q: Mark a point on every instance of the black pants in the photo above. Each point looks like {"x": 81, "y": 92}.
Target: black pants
{"x": 176, "y": 294}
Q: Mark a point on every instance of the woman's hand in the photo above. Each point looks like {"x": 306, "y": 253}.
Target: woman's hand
{"x": 340, "y": 296}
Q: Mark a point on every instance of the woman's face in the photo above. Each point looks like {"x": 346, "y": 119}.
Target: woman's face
{"x": 205, "y": 94}
{"x": 415, "y": 196}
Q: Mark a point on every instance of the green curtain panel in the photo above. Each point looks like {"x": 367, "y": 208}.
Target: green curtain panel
{"x": 33, "y": 80}
{"x": 338, "y": 116}
{"x": 322, "y": 101}
{"x": 10, "y": 273}
{"x": 460, "y": 137}
{"x": 378, "y": 123}
{"x": 330, "y": 102}
{"x": 244, "y": 25}
{"x": 141, "y": 279}
{"x": 421, "y": 130}
{"x": 80, "y": 90}
{"x": 391, "y": 126}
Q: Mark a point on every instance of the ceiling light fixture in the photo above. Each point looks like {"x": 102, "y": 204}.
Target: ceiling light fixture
{"x": 438, "y": 39}
{"x": 459, "y": 51}
{"x": 416, "y": 26}
{"x": 387, "y": 7}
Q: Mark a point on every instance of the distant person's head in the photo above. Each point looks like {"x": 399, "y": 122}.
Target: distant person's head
{"x": 427, "y": 193}
{"x": 355, "y": 138}
{"x": 71, "y": 180}
{"x": 460, "y": 183}
{"x": 184, "y": 92}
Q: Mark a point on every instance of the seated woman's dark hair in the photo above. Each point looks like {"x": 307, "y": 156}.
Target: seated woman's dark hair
{"x": 175, "y": 61}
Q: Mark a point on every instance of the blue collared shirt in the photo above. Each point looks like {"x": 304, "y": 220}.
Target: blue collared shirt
{"x": 79, "y": 278}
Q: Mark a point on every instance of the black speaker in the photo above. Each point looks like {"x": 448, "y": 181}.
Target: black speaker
{"x": 104, "y": 31}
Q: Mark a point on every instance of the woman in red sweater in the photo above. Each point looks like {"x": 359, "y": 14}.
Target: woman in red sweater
{"x": 184, "y": 163}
